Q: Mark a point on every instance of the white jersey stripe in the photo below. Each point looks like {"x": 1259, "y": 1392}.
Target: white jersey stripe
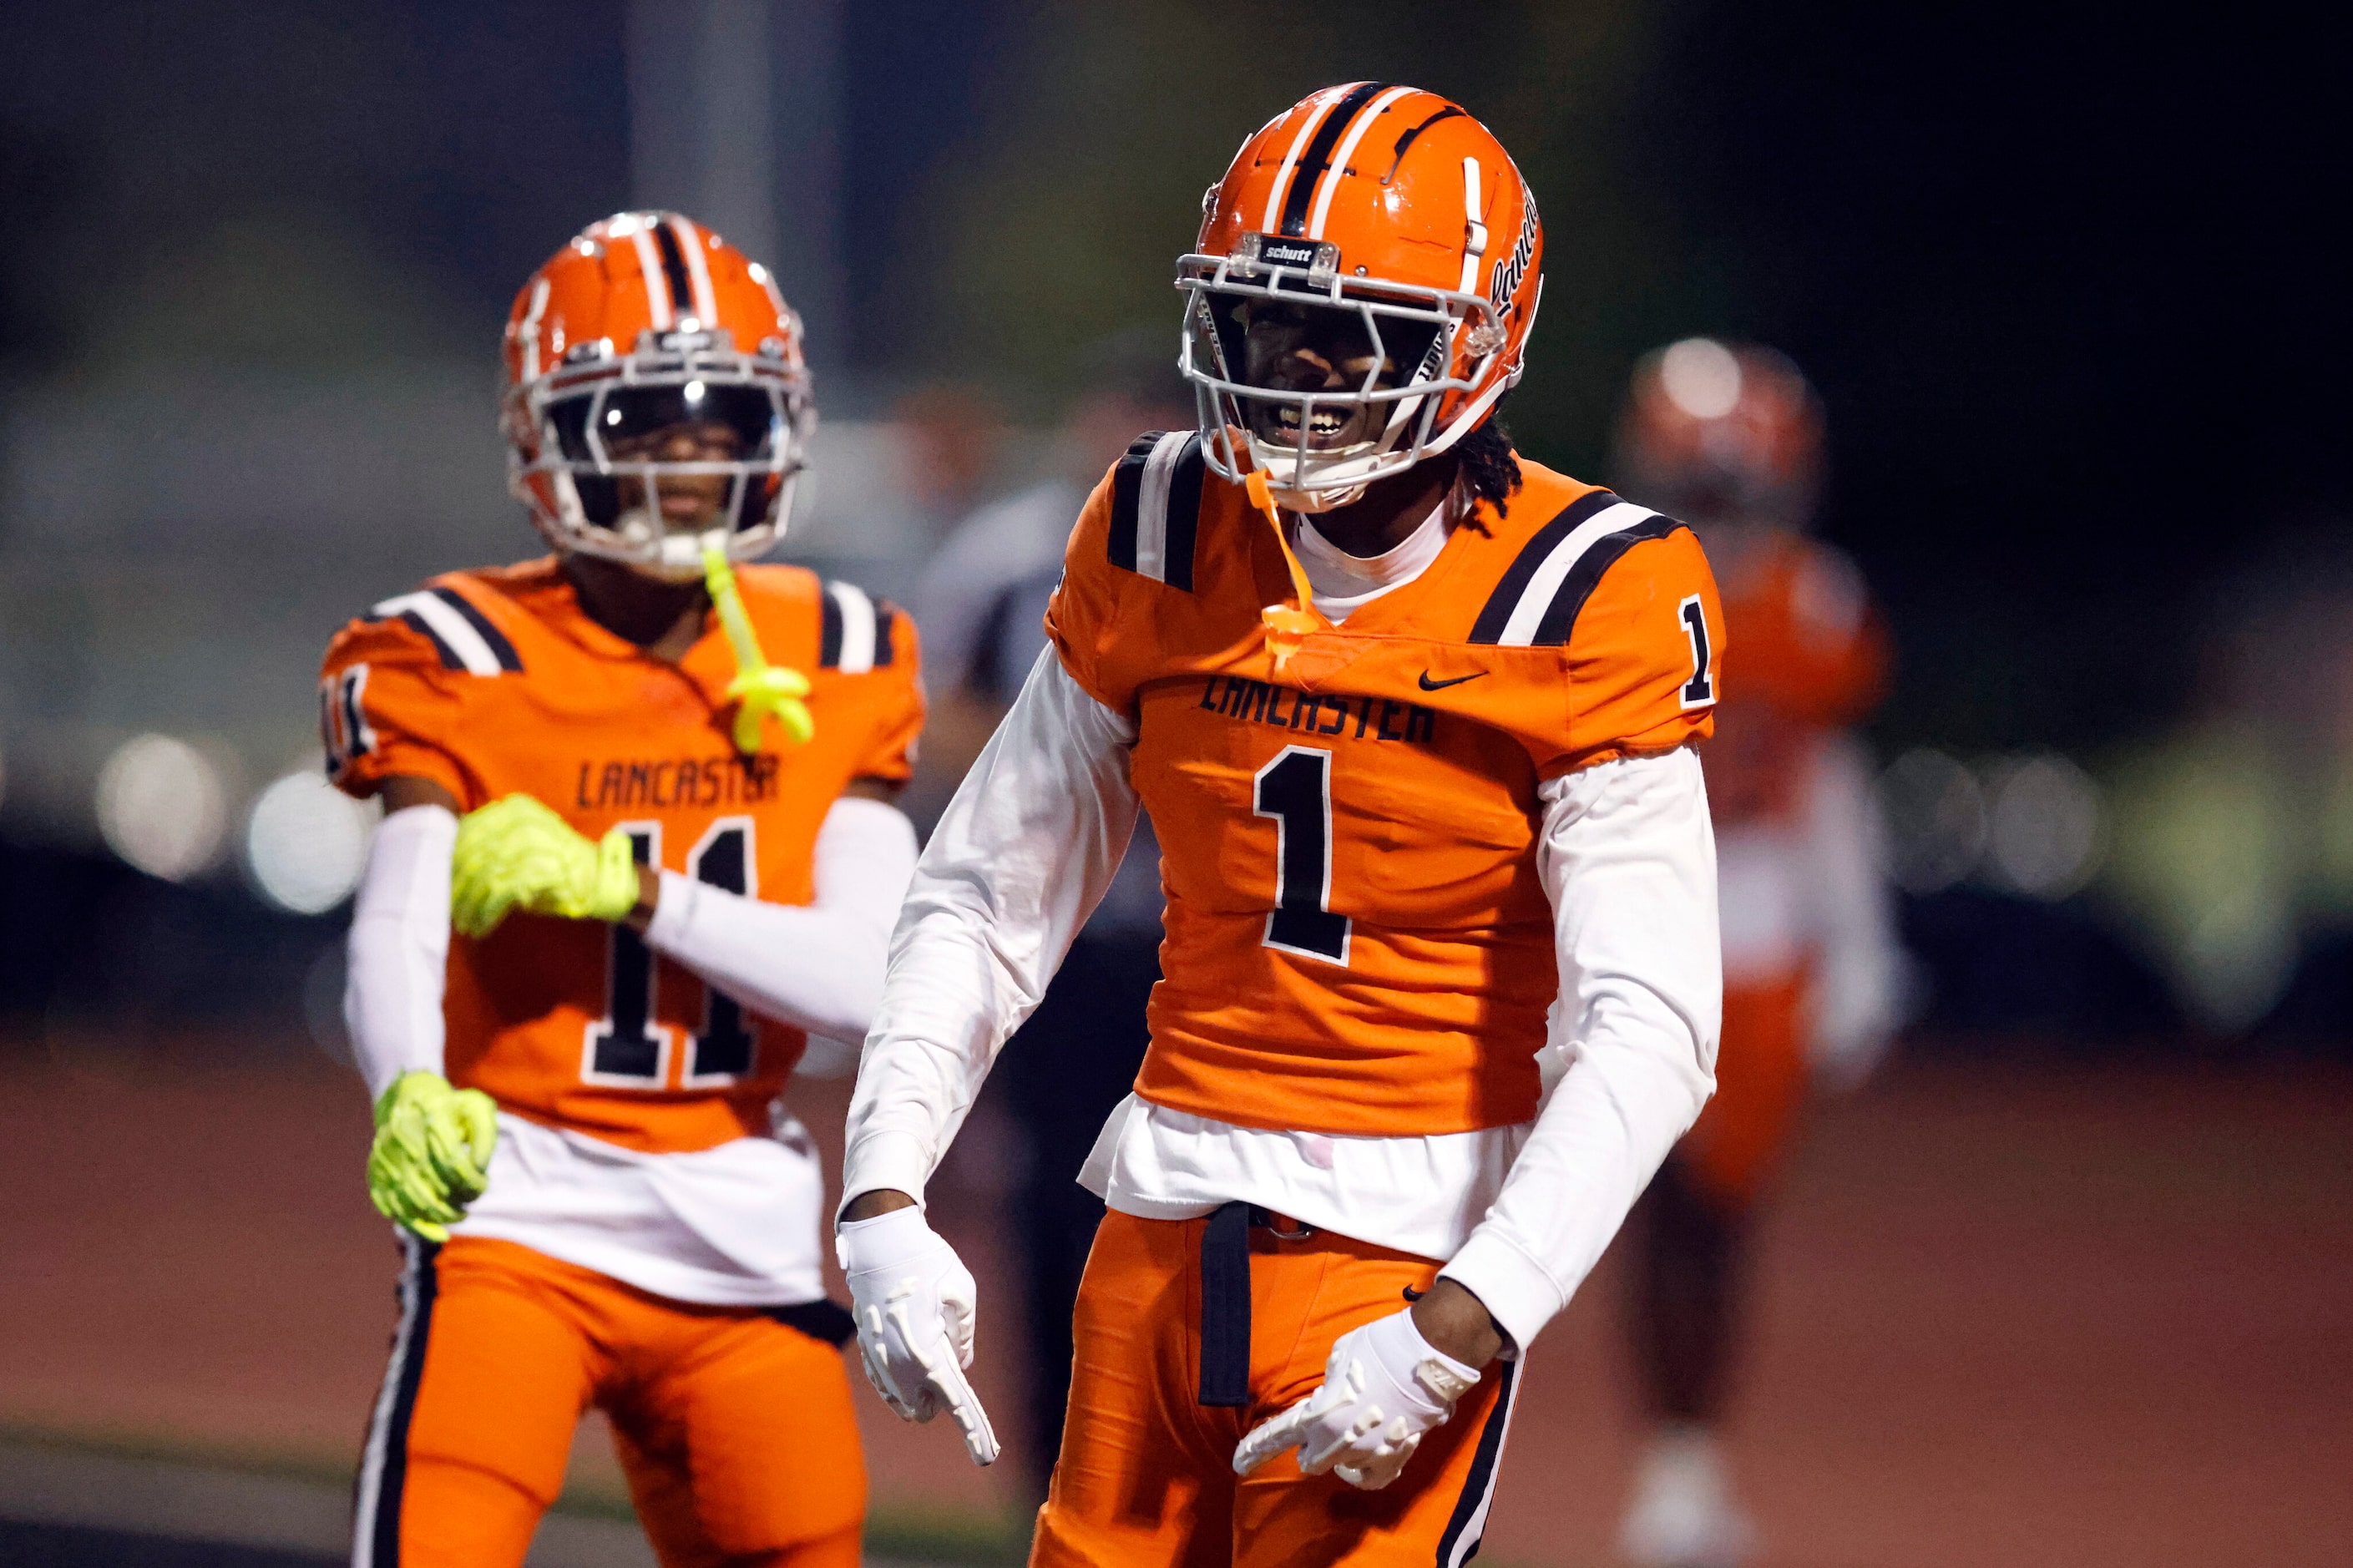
{"x": 1520, "y": 630}
{"x": 857, "y": 627}
{"x": 1291, "y": 160}
{"x": 698, "y": 271}
{"x": 1347, "y": 148}
{"x": 650, "y": 267}
{"x": 456, "y": 632}
{"x": 1152, "y": 505}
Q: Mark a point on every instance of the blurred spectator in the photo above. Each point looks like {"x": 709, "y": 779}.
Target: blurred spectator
{"x": 1728, "y": 438}
{"x": 955, "y": 436}
{"x": 982, "y": 609}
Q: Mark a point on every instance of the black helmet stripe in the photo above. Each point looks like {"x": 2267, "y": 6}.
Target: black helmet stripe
{"x": 1318, "y": 156}
{"x": 674, "y": 265}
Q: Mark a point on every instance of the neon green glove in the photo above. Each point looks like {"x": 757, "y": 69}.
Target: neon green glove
{"x": 516, "y": 853}
{"x": 432, "y": 1152}
{"x": 759, "y": 688}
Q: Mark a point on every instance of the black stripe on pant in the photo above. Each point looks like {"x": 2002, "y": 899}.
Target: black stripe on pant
{"x": 384, "y": 1466}
{"x": 1478, "y": 1486}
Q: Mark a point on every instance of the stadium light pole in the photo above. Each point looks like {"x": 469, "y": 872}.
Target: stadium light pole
{"x": 734, "y": 117}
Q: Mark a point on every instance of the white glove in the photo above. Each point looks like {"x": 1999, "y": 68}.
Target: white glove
{"x": 914, "y": 1302}
{"x": 1384, "y": 1387}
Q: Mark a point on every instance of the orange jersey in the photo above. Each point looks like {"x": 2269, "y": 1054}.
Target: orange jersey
{"x": 1356, "y": 937}
{"x": 494, "y": 682}
{"x": 1813, "y": 657}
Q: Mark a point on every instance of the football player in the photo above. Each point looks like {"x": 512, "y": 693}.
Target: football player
{"x": 1416, "y": 720}
{"x": 669, "y": 863}
{"x": 1729, "y": 437}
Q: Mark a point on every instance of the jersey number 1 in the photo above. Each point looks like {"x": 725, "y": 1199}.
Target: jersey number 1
{"x": 626, "y": 1048}
{"x": 1295, "y": 789}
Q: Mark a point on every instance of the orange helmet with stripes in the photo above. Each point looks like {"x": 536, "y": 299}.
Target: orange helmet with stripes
{"x": 1361, "y": 295}
{"x": 1722, "y": 433}
{"x": 645, "y": 323}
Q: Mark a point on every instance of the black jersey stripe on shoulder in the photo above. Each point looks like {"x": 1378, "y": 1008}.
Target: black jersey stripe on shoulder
{"x": 1560, "y": 616}
{"x": 1183, "y": 513}
{"x": 462, "y": 636}
{"x": 1156, "y": 507}
{"x": 886, "y": 622}
{"x": 494, "y": 640}
{"x": 1126, "y": 496}
{"x": 1497, "y": 611}
{"x": 853, "y": 637}
{"x": 828, "y": 637}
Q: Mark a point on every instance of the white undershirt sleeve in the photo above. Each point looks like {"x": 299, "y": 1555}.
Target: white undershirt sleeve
{"x": 1020, "y": 861}
{"x": 397, "y": 956}
{"x": 1628, "y": 857}
{"x": 816, "y": 966}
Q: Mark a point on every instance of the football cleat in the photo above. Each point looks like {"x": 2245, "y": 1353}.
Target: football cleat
{"x": 1361, "y": 293}
{"x": 655, "y": 397}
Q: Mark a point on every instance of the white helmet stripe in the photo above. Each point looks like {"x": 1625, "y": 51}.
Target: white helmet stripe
{"x": 650, "y": 267}
{"x": 528, "y": 331}
{"x": 1275, "y": 192}
{"x": 1347, "y": 148}
{"x": 698, "y": 269}
{"x": 1474, "y": 233}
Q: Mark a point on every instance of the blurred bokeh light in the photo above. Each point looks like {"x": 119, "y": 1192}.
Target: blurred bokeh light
{"x": 306, "y": 842}
{"x": 163, "y": 806}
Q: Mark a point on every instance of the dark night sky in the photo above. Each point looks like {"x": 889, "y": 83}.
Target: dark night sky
{"x": 2065, "y": 284}
{"x": 2071, "y": 296}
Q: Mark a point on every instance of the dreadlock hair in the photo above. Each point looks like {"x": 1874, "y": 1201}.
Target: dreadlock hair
{"x": 1488, "y": 466}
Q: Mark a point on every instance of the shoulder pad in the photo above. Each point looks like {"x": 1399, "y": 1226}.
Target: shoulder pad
{"x": 1536, "y": 602}
{"x": 1156, "y": 507}
{"x": 856, "y": 636}
{"x": 459, "y": 632}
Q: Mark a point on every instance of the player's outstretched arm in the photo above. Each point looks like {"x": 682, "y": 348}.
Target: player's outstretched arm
{"x": 1014, "y": 867}
{"x": 1628, "y": 856}
{"x": 431, "y": 1153}
{"x": 914, "y": 1302}
{"x": 818, "y": 966}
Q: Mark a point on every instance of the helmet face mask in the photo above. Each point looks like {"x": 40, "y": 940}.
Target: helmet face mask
{"x": 645, "y": 455}
{"x": 1332, "y": 383}
{"x": 1361, "y": 292}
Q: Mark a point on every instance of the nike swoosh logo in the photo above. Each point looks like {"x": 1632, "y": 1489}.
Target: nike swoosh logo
{"x": 1429, "y": 685}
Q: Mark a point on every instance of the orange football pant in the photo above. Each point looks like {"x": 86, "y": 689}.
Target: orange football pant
{"x": 1760, "y": 1086}
{"x": 1147, "y": 1473}
{"x": 736, "y": 1430}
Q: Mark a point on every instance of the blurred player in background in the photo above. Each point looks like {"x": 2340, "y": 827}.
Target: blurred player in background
{"x": 1077, "y": 1055}
{"x": 669, "y": 863}
{"x": 1416, "y": 722}
{"x": 1730, "y": 437}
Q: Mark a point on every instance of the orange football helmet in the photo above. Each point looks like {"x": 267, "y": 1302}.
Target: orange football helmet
{"x": 1722, "y": 434}
{"x": 1382, "y": 238}
{"x": 644, "y": 322}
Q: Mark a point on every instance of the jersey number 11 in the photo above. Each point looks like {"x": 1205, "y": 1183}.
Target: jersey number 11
{"x": 626, "y": 1048}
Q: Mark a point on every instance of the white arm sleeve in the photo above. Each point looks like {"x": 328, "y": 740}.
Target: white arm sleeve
{"x": 816, "y": 966}
{"x": 1022, "y": 855}
{"x": 1628, "y": 857}
{"x": 397, "y": 956}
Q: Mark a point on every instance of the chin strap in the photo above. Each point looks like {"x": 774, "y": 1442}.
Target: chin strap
{"x": 759, "y": 689}
{"x": 1287, "y": 625}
